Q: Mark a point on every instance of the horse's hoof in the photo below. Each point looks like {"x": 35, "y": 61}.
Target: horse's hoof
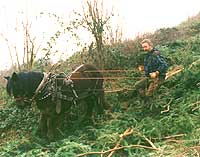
{"x": 50, "y": 137}
{"x": 40, "y": 134}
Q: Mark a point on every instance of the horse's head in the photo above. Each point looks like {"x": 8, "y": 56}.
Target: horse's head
{"x": 22, "y": 86}
{"x": 15, "y": 88}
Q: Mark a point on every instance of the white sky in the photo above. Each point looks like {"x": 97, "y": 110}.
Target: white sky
{"x": 135, "y": 16}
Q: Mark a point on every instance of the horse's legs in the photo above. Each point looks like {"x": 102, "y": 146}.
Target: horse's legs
{"x": 91, "y": 105}
{"x": 100, "y": 103}
{"x": 51, "y": 127}
{"x": 89, "y": 112}
{"x": 42, "y": 128}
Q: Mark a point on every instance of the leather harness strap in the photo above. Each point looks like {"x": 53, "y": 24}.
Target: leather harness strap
{"x": 42, "y": 83}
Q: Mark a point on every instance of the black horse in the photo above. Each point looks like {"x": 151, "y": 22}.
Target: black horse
{"x": 55, "y": 94}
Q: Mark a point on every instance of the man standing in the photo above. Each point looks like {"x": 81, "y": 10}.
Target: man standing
{"x": 155, "y": 68}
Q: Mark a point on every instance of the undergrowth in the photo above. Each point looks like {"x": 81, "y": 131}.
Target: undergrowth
{"x": 166, "y": 126}
{"x": 173, "y": 111}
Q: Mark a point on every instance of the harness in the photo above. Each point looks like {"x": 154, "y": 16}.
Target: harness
{"x": 49, "y": 87}
{"x": 58, "y": 88}
{"x": 52, "y": 85}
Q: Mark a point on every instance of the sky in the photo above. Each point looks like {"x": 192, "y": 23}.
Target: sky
{"x": 134, "y": 16}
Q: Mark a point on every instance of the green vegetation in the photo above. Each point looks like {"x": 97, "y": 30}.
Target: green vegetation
{"x": 167, "y": 126}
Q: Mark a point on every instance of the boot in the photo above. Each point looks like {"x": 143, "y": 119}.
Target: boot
{"x": 147, "y": 100}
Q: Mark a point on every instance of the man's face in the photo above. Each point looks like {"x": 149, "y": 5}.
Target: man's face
{"x": 146, "y": 47}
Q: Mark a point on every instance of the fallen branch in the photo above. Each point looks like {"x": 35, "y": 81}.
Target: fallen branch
{"x": 114, "y": 149}
{"x": 174, "y": 136}
{"x": 126, "y": 133}
{"x": 198, "y": 102}
{"x": 194, "y": 63}
{"x": 168, "y": 105}
{"x": 151, "y": 143}
{"x": 169, "y": 137}
{"x": 173, "y": 72}
{"x": 197, "y": 107}
{"x": 165, "y": 110}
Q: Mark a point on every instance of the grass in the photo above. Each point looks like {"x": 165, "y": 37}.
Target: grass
{"x": 174, "y": 132}
{"x": 170, "y": 123}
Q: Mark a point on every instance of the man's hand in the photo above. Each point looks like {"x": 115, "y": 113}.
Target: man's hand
{"x": 141, "y": 68}
{"x": 154, "y": 74}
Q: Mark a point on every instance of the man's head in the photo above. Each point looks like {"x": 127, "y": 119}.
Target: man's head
{"x": 147, "y": 45}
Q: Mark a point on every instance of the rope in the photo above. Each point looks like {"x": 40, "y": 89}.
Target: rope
{"x": 119, "y": 90}
{"x": 102, "y": 78}
{"x": 105, "y": 91}
{"x": 114, "y": 70}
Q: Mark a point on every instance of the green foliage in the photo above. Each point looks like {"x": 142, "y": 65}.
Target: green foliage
{"x": 25, "y": 121}
{"x": 68, "y": 149}
{"x": 174, "y": 110}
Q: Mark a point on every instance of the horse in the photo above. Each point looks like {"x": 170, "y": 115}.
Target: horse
{"x": 55, "y": 94}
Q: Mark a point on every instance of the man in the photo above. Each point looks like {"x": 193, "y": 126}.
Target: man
{"x": 155, "y": 68}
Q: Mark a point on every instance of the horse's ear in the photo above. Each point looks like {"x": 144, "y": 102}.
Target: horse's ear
{"x": 7, "y": 77}
{"x": 14, "y": 76}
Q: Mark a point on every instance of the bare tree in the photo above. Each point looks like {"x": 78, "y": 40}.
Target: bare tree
{"x": 94, "y": 20}
{"x": 30, "y": 49}
{"x": 11, "y": 48}
{"x": 114, "y": 35}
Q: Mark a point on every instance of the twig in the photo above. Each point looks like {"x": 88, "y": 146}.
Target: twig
{"x": 126, "y": 133}
{"x": 198, "y": 102}
{"x": 195, "y": 108}
{"x": 151, "y": 143}
{"x": 169, "y": 137}
{"x": 165, "y": 110}
{"x": 168, "y": 105}
{"x": 174, "y": 136}
{"x": 174, "y": 141}
{"x": 102, "y": 150}
{"x": 194, "y": 63}
{"x": 195, "y": 148}
{"x": 54, "y": 67}
{"x": 114, "y": 149}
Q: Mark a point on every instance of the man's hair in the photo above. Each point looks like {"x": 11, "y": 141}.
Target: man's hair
{"x": 147, "y": 41}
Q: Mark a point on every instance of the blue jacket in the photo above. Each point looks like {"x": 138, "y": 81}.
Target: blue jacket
{"x": 153, "y": 61}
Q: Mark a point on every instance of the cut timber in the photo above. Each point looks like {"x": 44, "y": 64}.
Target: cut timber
{"x": 173, "y": 72}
